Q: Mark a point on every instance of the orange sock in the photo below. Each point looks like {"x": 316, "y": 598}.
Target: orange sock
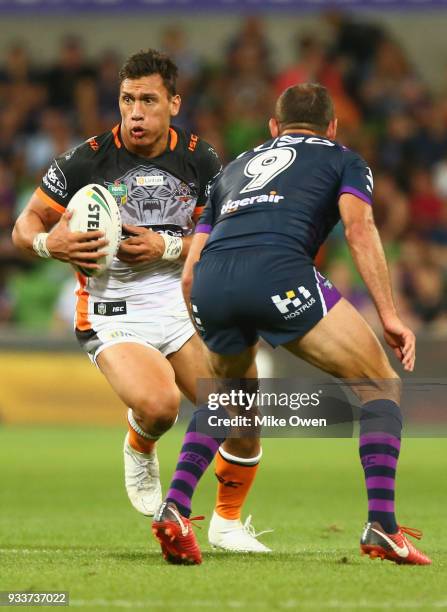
{"x": 235, "y": 480}
{"x": 140, "y": 444}
{"x": 137, "y": 441}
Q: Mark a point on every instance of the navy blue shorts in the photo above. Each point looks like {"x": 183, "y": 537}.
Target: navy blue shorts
{"x": 239, "y": 295}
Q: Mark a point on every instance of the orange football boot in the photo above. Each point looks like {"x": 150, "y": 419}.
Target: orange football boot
{"x": 176, "y": 536}
{"x": 396, "y": 547}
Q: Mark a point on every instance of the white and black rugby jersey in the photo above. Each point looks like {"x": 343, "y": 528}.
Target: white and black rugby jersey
{"x": 165, "y": 193}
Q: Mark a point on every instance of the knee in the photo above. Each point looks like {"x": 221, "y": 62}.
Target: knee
{"x": 385, "y": 382}
{"x": 388, "y": 382}
{"x": 156, "y": 411}
{"x": 243, "y": 447}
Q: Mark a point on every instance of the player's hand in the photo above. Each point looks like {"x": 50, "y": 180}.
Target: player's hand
{"x": 402, "y": 340}
{"x": 142, "y": 247}
{"x": 80, "y": 248}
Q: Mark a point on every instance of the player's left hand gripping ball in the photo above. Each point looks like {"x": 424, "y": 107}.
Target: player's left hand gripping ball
{"x": 95, "y": 209}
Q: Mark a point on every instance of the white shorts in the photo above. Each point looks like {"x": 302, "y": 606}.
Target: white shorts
{"x": 166, "y": 333}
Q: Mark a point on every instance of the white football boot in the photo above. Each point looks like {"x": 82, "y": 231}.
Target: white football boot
{"x": 142, "y": 478}
{"x": 235, "y": 536}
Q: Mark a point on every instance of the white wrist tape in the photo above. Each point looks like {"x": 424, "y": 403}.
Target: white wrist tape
{"x": 173, "y": 247}
{"x": 40, "y": 245}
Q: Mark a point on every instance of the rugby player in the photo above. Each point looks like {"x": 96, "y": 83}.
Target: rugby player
{"x": 267, "y": 215}
{"x": 132, "y": 320}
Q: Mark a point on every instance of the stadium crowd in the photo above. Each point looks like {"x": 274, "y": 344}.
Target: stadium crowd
{"x": 386, "y": 112}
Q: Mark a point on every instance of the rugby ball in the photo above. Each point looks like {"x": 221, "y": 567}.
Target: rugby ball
{"x": 94, "y": 208}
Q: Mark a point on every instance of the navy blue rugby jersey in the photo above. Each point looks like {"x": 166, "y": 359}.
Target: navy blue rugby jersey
{"x": 283, "y": 193}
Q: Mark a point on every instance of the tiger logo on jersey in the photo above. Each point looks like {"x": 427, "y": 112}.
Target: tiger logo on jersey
{"x": 156, "y": 197}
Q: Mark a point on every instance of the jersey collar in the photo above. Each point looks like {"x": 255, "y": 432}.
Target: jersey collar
{"x": 116, "y": 136}
{"x": 172, "y": 138}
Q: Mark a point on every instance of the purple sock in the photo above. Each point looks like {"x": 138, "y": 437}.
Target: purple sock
{"x": 379, "y": 448}
{"x": 197, "y": 452}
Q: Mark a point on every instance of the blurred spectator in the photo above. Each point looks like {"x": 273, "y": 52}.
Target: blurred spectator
{"x": 392, "y": 85}
{"x": 253, "y": 34}
{"x": 247, "y": 98}
{"x": 175, "y": 44}
{"x": 64, "y": 78}
{"x": 426, "y": 290}
{"x": 391, "y": 209}
{"x": 426, "y": 207}
{"x": 312, "y": 65}
{"x": 7, "y": 198}
{"x": 308, "y": 65}
{"x": 53, "y": 138}
{"x": 395, "y": 147}
{"x": 107, "y": 87}
{"x": 10, "y": 259}
{"x": 354, "y": 43}
{"x": 22, "y": 94}
{"x": 17, "y": 69}
{"x": 97, "y": 98}
{"x": 429, "y": 143}
{"x": 209, "y": 127}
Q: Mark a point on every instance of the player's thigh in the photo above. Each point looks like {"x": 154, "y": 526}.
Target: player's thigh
{"x": 238, "y": 372}
{"x": 343, "y": 344}
{"x": 190, "y": 363}
{"x": 194, "y": 361}
{"x": 140, "y": 375}
{"x": 239, "y": 365}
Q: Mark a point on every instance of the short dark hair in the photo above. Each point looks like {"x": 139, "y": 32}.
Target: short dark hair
{"x": 306, "y": 106}
{"x": 145, "y": 63}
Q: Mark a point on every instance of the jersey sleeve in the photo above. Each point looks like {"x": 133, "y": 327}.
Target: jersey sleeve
{"x": 66, "y": 175}
{"x": 207, "y": 217}
{"x": 356, "y": 177}
{"x": 209, "y": 167}
{"x": 206, "y": 220}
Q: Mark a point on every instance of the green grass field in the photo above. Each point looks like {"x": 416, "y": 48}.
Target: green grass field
{"x": 66, "y": 524}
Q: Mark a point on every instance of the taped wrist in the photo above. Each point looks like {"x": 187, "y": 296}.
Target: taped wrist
{"x": 40, "y": 245}
{"x": 173, "y": 247}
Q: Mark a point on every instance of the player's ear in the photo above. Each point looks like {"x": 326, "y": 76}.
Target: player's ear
{"x": 274, "y": 127}
{"x": 175, "y": 104}
{"x": 331, "y": 132}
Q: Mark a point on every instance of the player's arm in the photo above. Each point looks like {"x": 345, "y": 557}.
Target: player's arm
{"x": 145, "y": 245}
{"x": 36, "y": 218}
{"x": 203, "y": 229}
{"x": 42, "y": 228}
{"x": 198, "y": 242}
{"x": 369, "y": 257}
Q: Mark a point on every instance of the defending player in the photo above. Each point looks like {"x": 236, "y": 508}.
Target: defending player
{"x": 132, "y": 320}
{"x": 267, "y": 215}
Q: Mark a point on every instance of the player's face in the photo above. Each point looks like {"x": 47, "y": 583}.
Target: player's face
{"x": 146, "y": 110}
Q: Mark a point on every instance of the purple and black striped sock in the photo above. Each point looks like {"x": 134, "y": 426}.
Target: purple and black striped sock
{"x": 197, "y": 452}
{"x": 380, "y": 430}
